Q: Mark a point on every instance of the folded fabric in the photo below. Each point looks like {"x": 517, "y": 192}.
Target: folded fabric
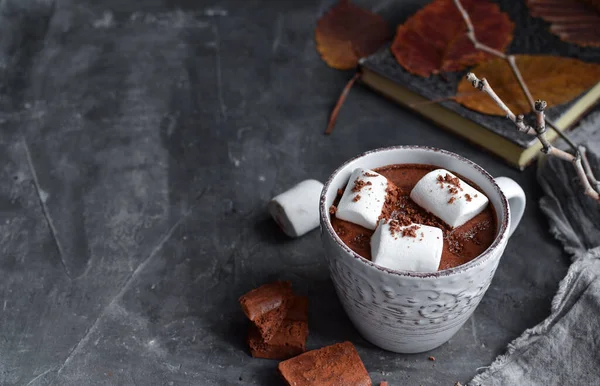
{"x": 564, "y": 349}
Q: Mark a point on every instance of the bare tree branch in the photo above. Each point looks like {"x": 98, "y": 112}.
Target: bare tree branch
{"x": 510, "y": 59}
{"x": 515, "y": 70}
{"x": 588, "y": 169}
{"x": 586, "y": 176}
{"x": 471, "y": 33}
{"x": 483, "y": 85}
{"x": 580, "y": 162}
{"x": 588, "y": 190}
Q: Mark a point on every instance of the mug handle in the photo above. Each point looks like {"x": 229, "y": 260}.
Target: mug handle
{"x": 516, "y": 200}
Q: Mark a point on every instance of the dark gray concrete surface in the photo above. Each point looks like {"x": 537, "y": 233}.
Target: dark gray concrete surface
{"x": 140, "y": 142}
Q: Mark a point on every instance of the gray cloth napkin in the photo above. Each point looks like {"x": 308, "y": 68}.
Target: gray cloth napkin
{"x": 565, "y": 348}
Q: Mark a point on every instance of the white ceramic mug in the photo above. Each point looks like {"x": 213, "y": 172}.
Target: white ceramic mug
{"x": 411, "y": 312}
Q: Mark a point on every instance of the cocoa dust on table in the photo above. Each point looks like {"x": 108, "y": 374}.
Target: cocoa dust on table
{"x": 460, "y": 245}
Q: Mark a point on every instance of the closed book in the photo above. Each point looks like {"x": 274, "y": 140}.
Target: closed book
{"x": 432, "y": 96}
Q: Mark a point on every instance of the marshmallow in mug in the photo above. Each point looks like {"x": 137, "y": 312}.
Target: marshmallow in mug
{"x": 363, "y": 199}
{"x": 297, "y": 210}
{"x": 448, "y": 197}
{"x": 414, "y": 247}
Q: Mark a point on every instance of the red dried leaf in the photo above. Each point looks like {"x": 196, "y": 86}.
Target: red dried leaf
{"x": 434, "y": 39}
{"x": 347, "y": 33}
{"x": 574, "y": 21}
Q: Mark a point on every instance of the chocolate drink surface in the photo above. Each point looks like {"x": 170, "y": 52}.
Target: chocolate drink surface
{"x": 461, "y": 244}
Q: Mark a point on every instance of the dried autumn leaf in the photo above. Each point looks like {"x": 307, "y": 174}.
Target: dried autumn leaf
{"x": 347, "y": 33}
{"x": 434, "y": 39}
{"x": 594, "y": 4}
{"x": 574, "y": 21}
{"x": 555, "y": 79}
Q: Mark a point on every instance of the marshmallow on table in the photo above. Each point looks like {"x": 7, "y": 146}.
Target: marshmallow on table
{"x": 363, "y": 198}
{"x": 297, "y": 210}
{"x": 455, "y": 205}
{"x": 408, "y": 248}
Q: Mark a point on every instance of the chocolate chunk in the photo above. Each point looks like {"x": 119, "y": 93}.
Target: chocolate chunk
{"x": 265, "y": 298}
{"x": 269, "y": 323}
{"x": 338, "y": 364}
{"x": 267, "y": 306}
{"x": 299, "y": 309}
{"x": 288, "y": 341}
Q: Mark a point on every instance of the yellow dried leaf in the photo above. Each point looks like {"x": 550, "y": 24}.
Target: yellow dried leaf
{"x": 555, "y": 79}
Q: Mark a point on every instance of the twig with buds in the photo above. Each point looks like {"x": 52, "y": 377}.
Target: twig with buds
{"x": 590, "y": 184}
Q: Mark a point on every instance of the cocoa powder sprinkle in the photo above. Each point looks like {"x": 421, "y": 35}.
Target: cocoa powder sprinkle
{"x": 410, "y": 231}
{"x": 394, "y": 227}
{"x": 367, "y": 174}
{"x": 359, "y": 184}
{"x": 452, "y": 180}
{"x": 451, "y": 200}
{"x": 468, "y": 197}
{"x": 356, "y": 198}
{"x": 391, "y": 197}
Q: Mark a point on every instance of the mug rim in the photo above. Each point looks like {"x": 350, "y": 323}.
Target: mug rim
{"x": 483, "y": 257}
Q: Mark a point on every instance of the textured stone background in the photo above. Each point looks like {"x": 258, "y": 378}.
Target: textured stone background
{"x": 140, "y": 142}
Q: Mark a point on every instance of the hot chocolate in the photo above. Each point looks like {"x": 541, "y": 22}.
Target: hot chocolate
{"x": 461, "y": 244}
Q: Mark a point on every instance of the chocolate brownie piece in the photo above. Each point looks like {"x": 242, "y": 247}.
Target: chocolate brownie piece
{"x": 334, "y": 365}
{"x": 289, "y": 341}
{"x": 265, "y": 298}
{"x": 298, "y": 309}
{"x": 267, "y": 306}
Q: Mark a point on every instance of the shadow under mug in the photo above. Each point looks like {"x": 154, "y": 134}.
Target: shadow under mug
{"x": 411, "y": 312}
